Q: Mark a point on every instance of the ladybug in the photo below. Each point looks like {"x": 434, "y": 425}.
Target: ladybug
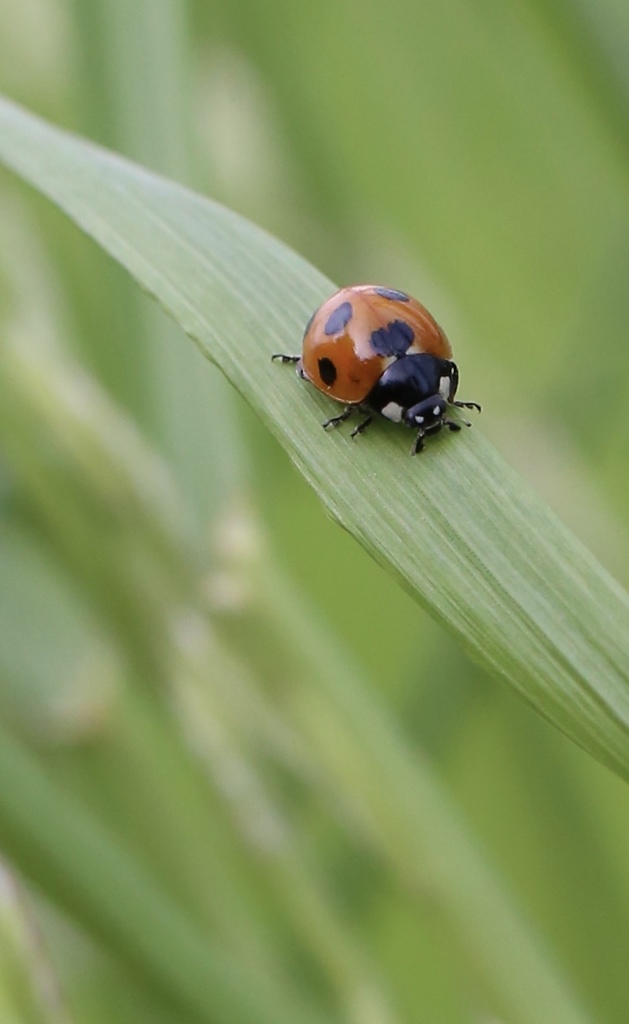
{"x": 378, "y": 350}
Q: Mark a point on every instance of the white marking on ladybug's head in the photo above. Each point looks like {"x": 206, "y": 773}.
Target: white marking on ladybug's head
{"x": 445, "y": 387}
{"x": 392, "y": 411}
{"x": 437, "y": 410}
{"x": 419, "y": 419}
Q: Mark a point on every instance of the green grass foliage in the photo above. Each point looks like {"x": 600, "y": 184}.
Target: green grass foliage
{"x": 252, "y": 771}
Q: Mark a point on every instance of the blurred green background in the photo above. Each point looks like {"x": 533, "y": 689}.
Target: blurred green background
{"x": 475, "y": 154}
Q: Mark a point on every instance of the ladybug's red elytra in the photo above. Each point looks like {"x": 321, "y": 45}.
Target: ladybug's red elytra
{"x": 378, "y": 350}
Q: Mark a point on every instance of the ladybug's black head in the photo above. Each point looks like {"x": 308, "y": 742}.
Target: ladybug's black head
{"x": 427, "y": 415}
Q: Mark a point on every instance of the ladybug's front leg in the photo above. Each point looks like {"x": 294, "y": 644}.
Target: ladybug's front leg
{"x": 418, "y": 443}
{"x": 467, "y": 405}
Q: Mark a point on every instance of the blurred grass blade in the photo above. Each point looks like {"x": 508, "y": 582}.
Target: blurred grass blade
{"x": 458, "y": 527}
{"x": 394, "y": 799}
{"x": 80, "y": 865}
{"x": 114, "y": 482}
{"x": 29, "y": 989}
{"x": 329, "y": 728}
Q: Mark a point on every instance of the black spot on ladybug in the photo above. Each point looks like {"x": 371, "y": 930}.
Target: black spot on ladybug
{"x": 393, "y": 294}
{"x": 327, "y": 370}
{"x": 309, "y": 324}
{"x": 392, "y": 340}
{"x": 339, "y": 318}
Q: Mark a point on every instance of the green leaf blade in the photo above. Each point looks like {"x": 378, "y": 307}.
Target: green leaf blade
{"x": 457, "y": 526}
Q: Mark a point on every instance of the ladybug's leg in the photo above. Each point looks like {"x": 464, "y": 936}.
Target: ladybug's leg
{"x": 285, "y": 359}
{"x": 335, "y": 420}
{"x": 455, "y": 425}
{"x": 467, "y": 405}
{"x": 361, "y": 427}
{"x": 418, "y": 443}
